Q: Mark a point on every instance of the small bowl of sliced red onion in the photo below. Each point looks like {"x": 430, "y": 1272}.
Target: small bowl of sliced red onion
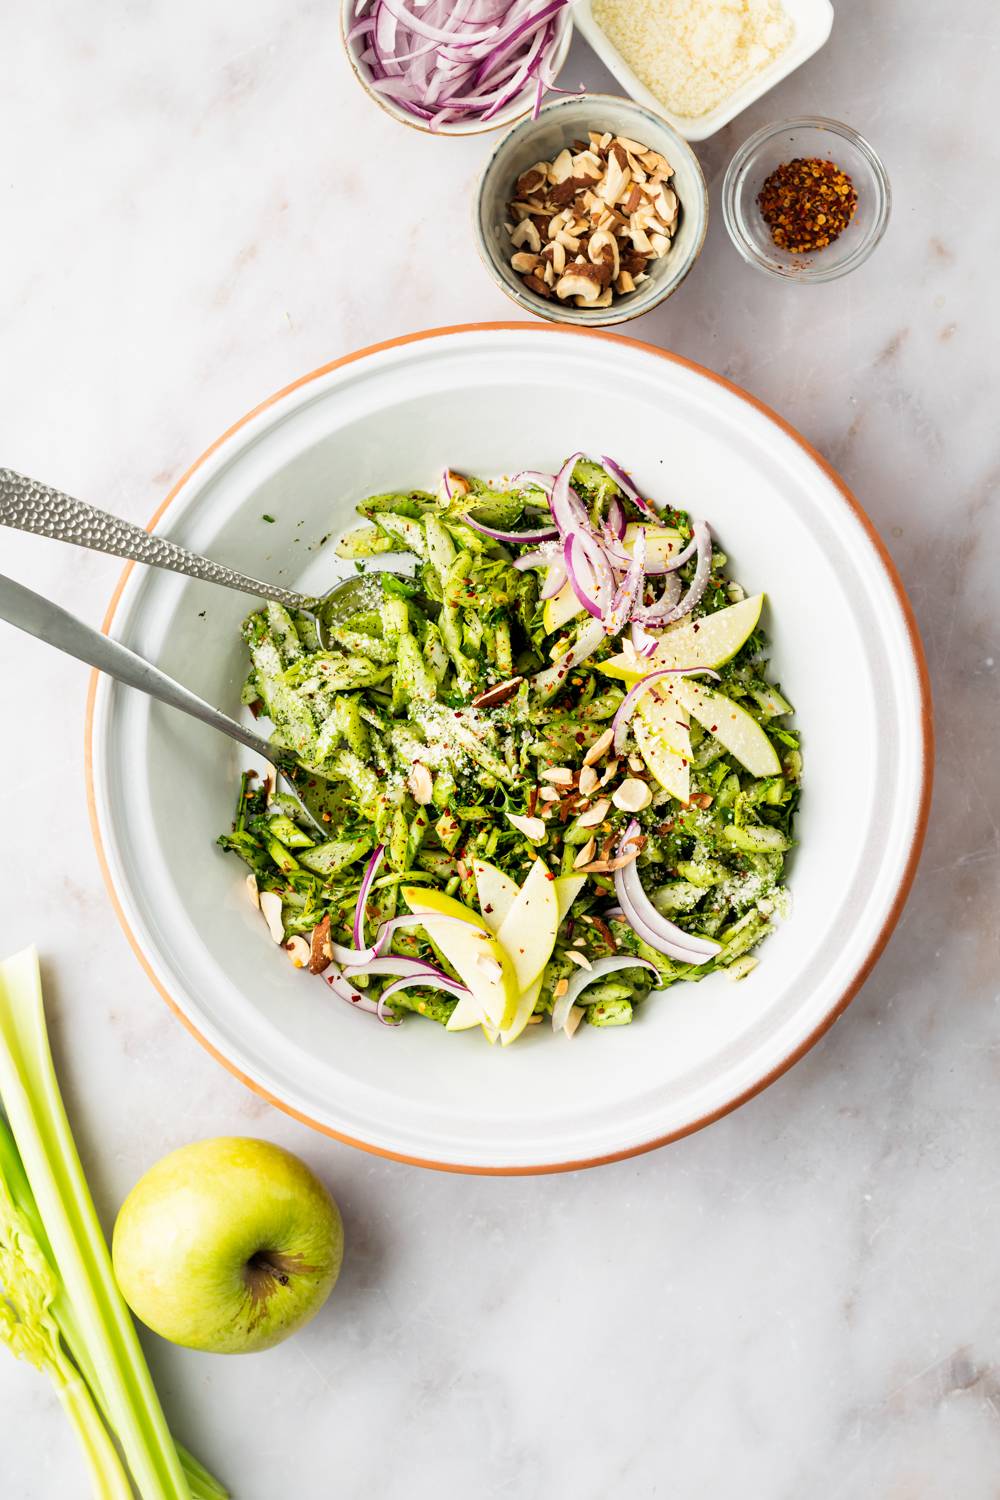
{"x": 457, "y": 67}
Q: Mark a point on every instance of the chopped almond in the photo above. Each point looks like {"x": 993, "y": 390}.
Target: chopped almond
{"x": 320, "y": 951}
{"x": 594, "y": 215}
{"x": 595, "y": 814}
{"x": 298, "y": 951}
{"x": 585, "y": 854}
{"x": 599, "y": 747}
{"x": 537, "y": 285}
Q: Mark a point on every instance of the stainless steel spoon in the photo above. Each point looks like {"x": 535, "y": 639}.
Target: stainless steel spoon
{"x": 27, "y": 505}
{"x": 48, "y": 622}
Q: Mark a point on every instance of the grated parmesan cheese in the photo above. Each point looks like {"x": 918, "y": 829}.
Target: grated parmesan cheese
{"x": 692, "y": 54}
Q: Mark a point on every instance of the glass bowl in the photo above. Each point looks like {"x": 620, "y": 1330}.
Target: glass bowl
{"x": 807, "y": 137}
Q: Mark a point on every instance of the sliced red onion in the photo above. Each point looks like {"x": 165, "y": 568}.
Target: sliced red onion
{"x": 663, "y": 612}
{"x": 347, "y": 992}
{"x": 519, "y": 538}
{"x": 530, "y": 23}
{"x": 644, "y": 643}
{"x": 589, "y": 573}
{"x": 671, "y": 592}
{"x": 415, "y": 23}
{"x": 521, "y": 75}
{"x": 371, "y": 869}
{"x": 359, "y": 958}
{"x": 426, "y": 981}
{"x": 647, "y": 923}
{"x": 682, "y": 557}
{"x": 446, "y": 483}
{"x": 463, "y": 60}
{"x": 627, "y": 707}
{"x": 386, "y": 1019}
{"x": 416, "y": 969}
{"x": 625, "y": 484}
{"x": 616, "y": 520}
{"x": 348, "y": 957}
{"x": 555, "y": 580}
{"x": 407, "y": 919}
{"x": 568, "y": 510}
{"x": 535, "y": 477}
{"x": 629, "y": 591}
{"x": 393, "y": 963}
{"x": 621, "y": 557}
{"x": 584, "y": 977}
{"x": 548, "y": 556}
{"x": 542, "y": 557}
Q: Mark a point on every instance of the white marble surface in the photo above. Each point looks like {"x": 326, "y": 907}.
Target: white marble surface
{"x": 199, "y": 205}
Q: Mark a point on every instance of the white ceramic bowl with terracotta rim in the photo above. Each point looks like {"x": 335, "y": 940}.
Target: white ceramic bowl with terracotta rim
{"x": 492, "y": 398}
{"x": 560, "y": 122}
{"x": 518, "y": 107}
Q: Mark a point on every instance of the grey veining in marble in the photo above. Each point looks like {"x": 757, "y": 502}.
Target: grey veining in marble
{"x": 802, "y": 1300}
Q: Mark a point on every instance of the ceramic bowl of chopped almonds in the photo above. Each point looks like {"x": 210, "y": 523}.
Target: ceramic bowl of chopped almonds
{"x": 593, "y": 213}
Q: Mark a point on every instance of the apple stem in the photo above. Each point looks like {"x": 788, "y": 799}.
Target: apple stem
{"x": 261, "y": 1263}
{"x": 263, "y": 1270}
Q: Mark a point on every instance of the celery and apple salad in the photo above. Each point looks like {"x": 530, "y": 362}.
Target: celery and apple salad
{"x": 549, "y": 770}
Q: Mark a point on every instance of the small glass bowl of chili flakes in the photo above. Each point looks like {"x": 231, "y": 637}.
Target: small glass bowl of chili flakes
{"x": 806, "y": 199}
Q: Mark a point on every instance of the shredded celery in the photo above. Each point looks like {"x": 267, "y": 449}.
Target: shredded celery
{"x": 462, "y": 668}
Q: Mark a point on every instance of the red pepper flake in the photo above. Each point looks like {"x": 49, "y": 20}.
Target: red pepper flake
{"x": 807, "y": 203}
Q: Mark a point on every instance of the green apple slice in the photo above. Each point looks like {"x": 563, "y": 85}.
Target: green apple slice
{"x": 525, "y": 1010}
{"x": 425, "y": 899}
{"x": 661, "y": 543}
{"x": 708, "y": 642}
{"x": 467, "y": 1014}
{"x": 567, "y": 888}
{"x": 496, "y": 891}
{"x": 661, "y": 731}
{"x": 483, "y": 966}
{"x": 731, "y": 725}
{"x": 528, "y": 932}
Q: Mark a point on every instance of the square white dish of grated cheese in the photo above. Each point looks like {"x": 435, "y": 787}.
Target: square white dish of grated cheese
{"x": 699, "y": 63}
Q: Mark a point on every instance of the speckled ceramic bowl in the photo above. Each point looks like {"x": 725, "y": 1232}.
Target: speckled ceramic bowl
{"x": 541, "y": 140}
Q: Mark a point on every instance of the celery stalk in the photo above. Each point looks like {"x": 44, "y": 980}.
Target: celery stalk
{"x": 203, "y": 1484}
{"x": 28, "y": 1289}
{"x": 30, "y": 1095}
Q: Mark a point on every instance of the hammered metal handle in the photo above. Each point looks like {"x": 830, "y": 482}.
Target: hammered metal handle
{"x": 49, "y": 622}
{"x": 27, "y": 505}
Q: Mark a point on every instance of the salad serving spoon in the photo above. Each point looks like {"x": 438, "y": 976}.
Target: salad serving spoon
{"x": 38, "y": 616}
{"x": 28, "y": 505}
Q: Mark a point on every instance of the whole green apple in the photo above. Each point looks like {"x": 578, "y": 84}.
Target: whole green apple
{"x": 227, "y": 1245}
